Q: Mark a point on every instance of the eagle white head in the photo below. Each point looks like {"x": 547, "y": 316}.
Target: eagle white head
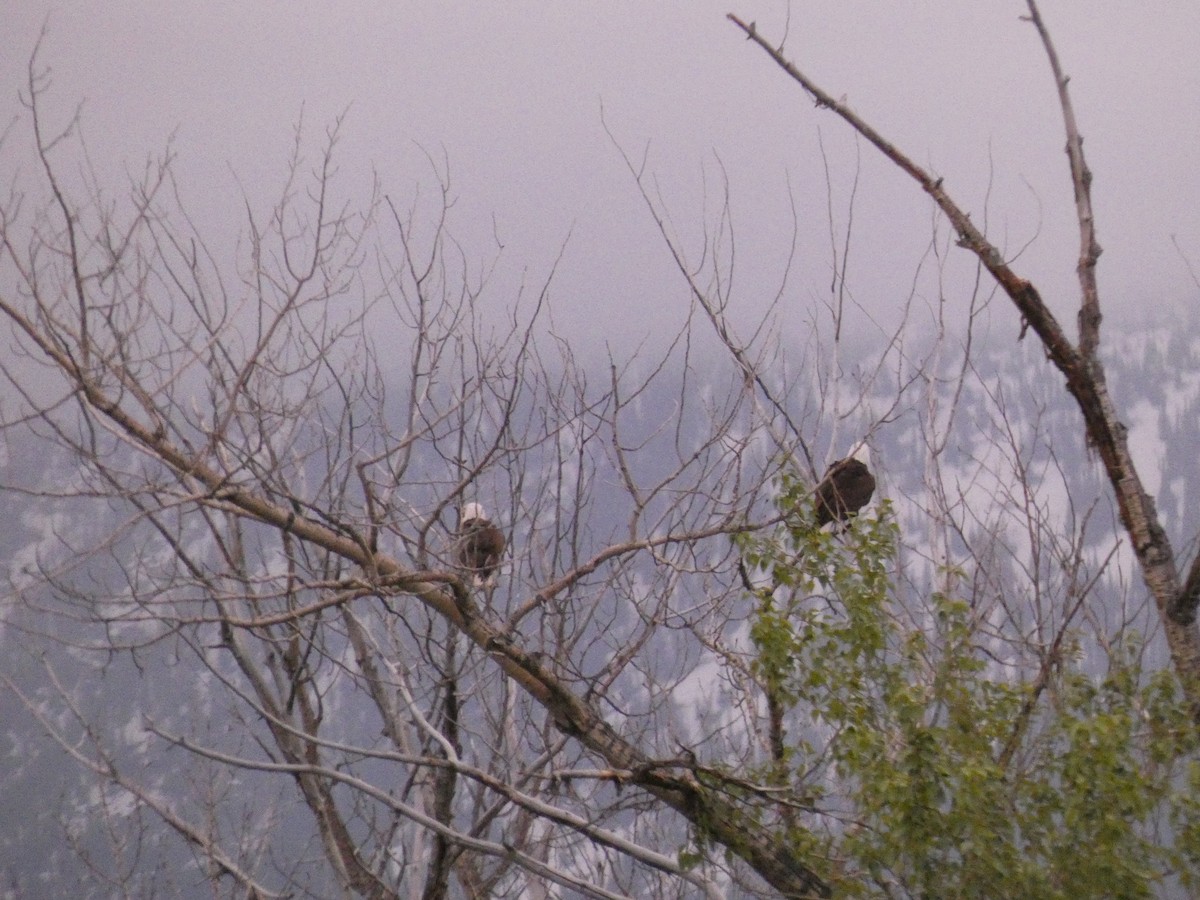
{"x": 472, "y": 511}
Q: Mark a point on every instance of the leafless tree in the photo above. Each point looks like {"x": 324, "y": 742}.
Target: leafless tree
{"x": 242, "y": 616}
{"x": 286, "y": 448}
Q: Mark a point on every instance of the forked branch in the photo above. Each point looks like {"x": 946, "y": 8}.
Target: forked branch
{"x": 1079, "y": 364}
{"x": 1081, "y": 179}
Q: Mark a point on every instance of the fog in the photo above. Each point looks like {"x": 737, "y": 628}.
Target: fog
{"x": 527, "y": 106}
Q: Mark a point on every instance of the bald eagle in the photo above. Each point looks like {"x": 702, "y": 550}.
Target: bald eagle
{"x": 480, "y": 545}
{"x": 846, "y": 488}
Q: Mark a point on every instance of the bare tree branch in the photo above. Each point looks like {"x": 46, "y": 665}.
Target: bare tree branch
{"x": 1082, "y": 369}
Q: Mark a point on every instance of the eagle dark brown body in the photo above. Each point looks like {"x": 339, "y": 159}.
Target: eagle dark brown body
{"x": 480, "y": 545}
{"x": 846, "y": 488}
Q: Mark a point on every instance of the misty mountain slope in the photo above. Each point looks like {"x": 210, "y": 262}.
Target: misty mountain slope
{"x": 1011, "y": 456}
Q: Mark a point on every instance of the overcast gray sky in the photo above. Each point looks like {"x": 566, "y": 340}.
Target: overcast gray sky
{"x": 511, "y": 92}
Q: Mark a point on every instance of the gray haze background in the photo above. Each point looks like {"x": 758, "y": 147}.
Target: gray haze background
{"x": 510, "y": 94}
{"x": 509, "y": 97}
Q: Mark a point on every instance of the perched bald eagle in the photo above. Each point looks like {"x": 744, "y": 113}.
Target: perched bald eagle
{"x": 846, "y": 488}
{"x": 480, "y": 544}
